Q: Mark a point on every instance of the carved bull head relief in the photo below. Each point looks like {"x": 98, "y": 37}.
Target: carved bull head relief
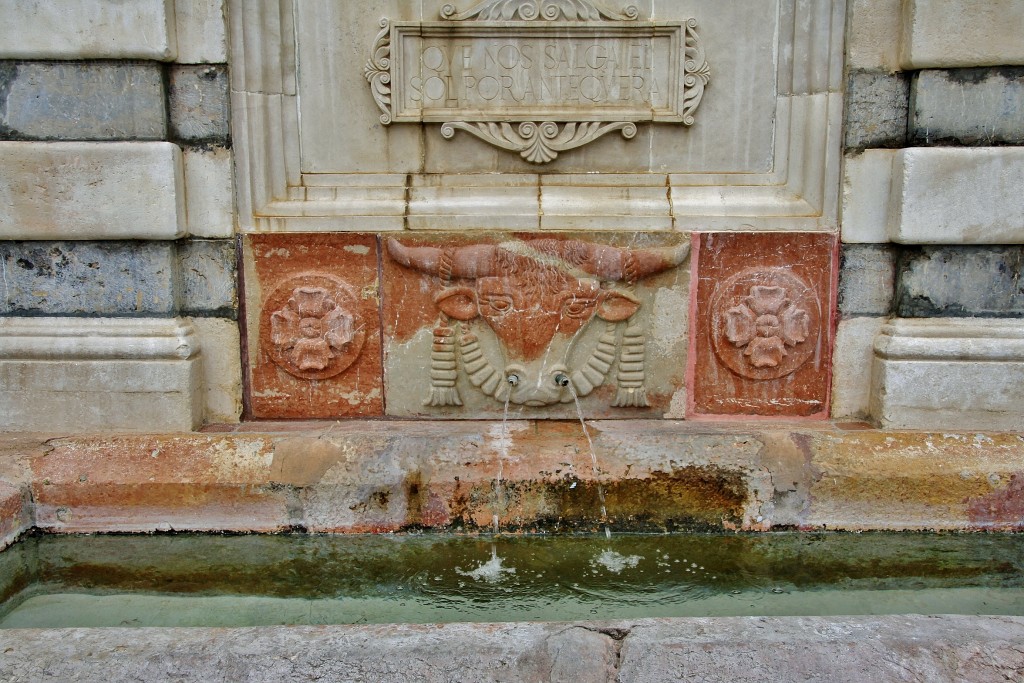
{"x": 536, "y": 296}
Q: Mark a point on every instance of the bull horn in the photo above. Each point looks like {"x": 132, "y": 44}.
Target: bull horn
{"x": 473, "y": 261}
{"x": 631, "y": 265}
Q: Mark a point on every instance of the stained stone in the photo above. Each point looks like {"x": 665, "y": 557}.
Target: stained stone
{"x": 88, "y": 278}
{"x": 866, "y": 279}
{"x": 961, "y": 281}
{"x": 199, "y": 103}
{"x": 876, "y": 109}
{"x": 82, "y": 101}
{"x": 968, "y": 107}
{"x": 208, "y": 274}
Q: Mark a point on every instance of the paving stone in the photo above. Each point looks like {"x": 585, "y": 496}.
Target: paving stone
{"x": 88, "y": 278}
{"x": 199, "y": 103}
{"x": 953, "y": 33}
{"x": 82, "y": 101}
{"x": 876, "y": 109}
{"x": 866, "y": 279}
{"x": 208, "y": 277}
{"x": 968, "y": 106}
{"x": 111, "y": 29}
{"x": 960, "y": 281}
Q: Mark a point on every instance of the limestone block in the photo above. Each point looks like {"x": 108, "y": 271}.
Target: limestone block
{"x": 85, "y": 190}
{"x": 209, "y": 197}
{"x": 962, "y": 373}
{"x": 112, "y": 29}
{"x": 65, "y": 374}
{"x": 222, "y": 369}
{"x": 958, "y": 196}
{"x": 15, "y": 519}
{"x": 876, "y": 109}
{"x": 968, "y": 106}
{"x": 88, "y": 278}
{"x": 851, "y": 363}
{"x": 874, "y": 34}
{"x": 82, "y": 101}
{"x": 961, "y": 281}
{"x": 208, "y": 275}
{"x": 949, "y": 33}
{"x": 200, "y": 31}
{"x": 866, "y": 280}
{"x": 867, "y": 183}
{"x": 199, "y": 103}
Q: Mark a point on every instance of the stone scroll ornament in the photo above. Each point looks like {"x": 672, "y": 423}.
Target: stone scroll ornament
{"x": 540, "y": 140}
{"x": 310, "y": 328}
{"x": 536, "y": 297}
{"x": 766, "y": 323}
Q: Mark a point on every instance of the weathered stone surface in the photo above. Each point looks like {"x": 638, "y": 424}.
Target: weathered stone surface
{"x": 867, "y": 276}
{"x": 934, "y": 373}
{"x": 876, "y": 109}
{"x": 839, "y": 650}
{"x": 952, "y": 33}
{"x": 313, "y": 325}
{"x": 88, "y": 278}
{"x": 874, "y": 34}
{"x": 112, "y": 29}
{"x": 81, "y": 375}
{"x": 867, "y": 183}
{"x": 220, "y": 342}
{"x": 82, "y": 101}
{"x": 945, "y": 195}
{"x": 208, "y": 277}
{"x": 200, "y": 32}
{"x": 851, "y": 366}
{"x": 209, "y": 194}
{"x": 15, "y": 514}
{"x": 199, "y": 104}
{"x": 761, "y": 328}
{"x": 968, "y": 107}
{"x": 88, "y": 190}
{"x": 960, "y": 281}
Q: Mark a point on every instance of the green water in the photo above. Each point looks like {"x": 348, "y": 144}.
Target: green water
{"x": 197, "y": 580}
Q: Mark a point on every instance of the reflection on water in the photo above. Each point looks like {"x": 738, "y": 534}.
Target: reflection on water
{"x": 299, "y": 579}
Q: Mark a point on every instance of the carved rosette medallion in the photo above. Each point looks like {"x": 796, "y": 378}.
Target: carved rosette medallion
{"x": 538, "y": 77}
{"x": 765, "y": 323}
{"x": 310, "y": 328}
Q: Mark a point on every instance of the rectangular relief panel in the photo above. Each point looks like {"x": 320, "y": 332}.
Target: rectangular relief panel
{"x": 409, "y": 111}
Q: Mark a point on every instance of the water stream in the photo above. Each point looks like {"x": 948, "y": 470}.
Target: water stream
{"x": 566, "y": 382}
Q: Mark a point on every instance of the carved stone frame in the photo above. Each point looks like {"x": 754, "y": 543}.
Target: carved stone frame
{"x": 799, "y": 192}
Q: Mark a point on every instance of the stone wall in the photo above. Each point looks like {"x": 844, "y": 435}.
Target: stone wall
{"x": 120, "y": 305}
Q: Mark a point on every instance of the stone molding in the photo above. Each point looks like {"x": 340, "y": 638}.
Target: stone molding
{"x": 798, "y": 191}
{"x": 67, "y": 374}
{"x": 91, "y": 190}
{"x": 964, "y": 372}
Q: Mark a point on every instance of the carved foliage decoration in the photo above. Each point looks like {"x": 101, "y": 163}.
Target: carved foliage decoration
{"x": 315, "y": 332}
{"x": 765, "y": 323}
{"x": 535, "y": 298}
{"x": 541, "y": 141}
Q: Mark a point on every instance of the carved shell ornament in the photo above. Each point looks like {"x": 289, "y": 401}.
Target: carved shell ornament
{"x": 532, "y": 132}
{"x": 766, "y": 323}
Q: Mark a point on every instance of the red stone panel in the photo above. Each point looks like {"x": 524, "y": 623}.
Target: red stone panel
{"x": 762, "y": 324}
{"x": 313, "y": 326}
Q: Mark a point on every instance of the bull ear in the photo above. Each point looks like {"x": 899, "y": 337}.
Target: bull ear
{"x": 458, "y": 303}
{"x": 617, "y": 306}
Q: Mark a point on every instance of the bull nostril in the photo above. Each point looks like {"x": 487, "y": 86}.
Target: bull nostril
{"x": 561, "y": 380}
{"x": 513, "y": 380}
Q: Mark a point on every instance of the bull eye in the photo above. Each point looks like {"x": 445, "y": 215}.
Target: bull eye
{"x": 499, "y": 305}
{"x": 577, "y": 308}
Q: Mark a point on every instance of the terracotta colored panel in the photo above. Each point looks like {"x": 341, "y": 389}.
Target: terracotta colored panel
{"x": 313, "y": 325}
{"x": 605, "y": 313}
{"x": 762, "y": 308}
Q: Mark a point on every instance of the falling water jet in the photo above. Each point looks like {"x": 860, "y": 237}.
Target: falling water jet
{"x": 563, "y": 381}
{"x": 513, "y": 381}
